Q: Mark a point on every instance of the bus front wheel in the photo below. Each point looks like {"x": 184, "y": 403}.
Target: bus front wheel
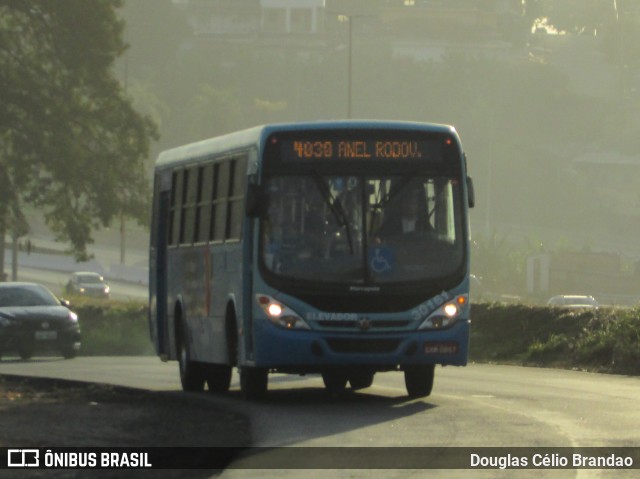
{"x": 335, "y": 382}
{"x": 361, "y": 380}
{"x": 253, "y": 382}
{"x": 419, "y": 380}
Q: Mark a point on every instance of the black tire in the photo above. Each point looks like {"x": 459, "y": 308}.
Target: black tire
{"x": 218, "y": 377}
{"x": 25, "y": 352}
{"x": 69, "y": 353}
{"x": 361, "y": 380}
{"x": 419, "y": 380}
{"x": 254, "y": 383}
{"x": 191, "y": 373}
{"x": 335, "y": 382}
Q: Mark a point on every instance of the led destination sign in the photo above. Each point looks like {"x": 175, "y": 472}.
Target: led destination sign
{"x": 354, "y": 149}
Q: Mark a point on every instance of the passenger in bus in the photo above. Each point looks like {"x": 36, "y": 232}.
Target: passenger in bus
{"x": 404, "y": 216}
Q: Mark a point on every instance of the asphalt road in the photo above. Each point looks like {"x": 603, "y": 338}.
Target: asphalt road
{"x": 475, "y": 406}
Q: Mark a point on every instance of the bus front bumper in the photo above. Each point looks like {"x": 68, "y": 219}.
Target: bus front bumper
{"x": 312, "y": 350}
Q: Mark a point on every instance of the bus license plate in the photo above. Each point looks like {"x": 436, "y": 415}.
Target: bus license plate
{"x": 46, "y": 335}
{"x": 441, "y": 348}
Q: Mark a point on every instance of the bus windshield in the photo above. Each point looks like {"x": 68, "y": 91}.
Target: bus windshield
{"x": 363, "y": 229}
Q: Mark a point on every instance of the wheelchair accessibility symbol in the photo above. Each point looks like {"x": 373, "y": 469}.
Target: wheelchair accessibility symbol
{"x": 381, "y": 260}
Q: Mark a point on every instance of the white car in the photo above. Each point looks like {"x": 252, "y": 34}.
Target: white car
{"x": 88, "y": 284}
{"x": 574, "y": 301}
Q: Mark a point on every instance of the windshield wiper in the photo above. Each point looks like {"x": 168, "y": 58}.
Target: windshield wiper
{"x": 335, "y": 205}
{"x": 404, "y": 181}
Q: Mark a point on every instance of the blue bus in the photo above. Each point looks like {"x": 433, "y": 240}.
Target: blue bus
{"x": 338, "y": 248}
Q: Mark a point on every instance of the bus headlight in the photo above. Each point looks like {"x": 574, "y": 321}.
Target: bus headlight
{"x": 280, "y": 314}
{"x": 447, "y": 314}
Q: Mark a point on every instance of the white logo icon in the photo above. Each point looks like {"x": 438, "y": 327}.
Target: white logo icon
{"x": 23, "y": 458}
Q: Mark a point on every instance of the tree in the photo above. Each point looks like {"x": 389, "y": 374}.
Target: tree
{"x": 70, "y": 141}
{"x": 573, "y": 16}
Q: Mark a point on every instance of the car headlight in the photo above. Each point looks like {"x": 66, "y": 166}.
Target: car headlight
{"x": 107, "y": 289}
{"x": 73, "y": 316}
{"x": 280, "y": 314}
{"x": 447, "y": 314}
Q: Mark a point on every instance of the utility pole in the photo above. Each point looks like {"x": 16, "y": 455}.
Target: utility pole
{"x": 350, "y": 18}
{"x": 348, "y": 11}
{"x": 3, "y": 231}
{"x": 14, "y": 256}
{"x": 122, "y": 237}
{"x": 122, "y": 222}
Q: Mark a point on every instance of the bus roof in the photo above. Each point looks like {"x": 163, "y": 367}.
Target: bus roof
{"x": 240, "y": 140}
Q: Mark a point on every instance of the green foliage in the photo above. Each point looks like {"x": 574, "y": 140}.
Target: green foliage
{"x": 575, "y": 16}
{"x": 607, "y": 339}
{"x": 553, "y": 350}
{"x": 70, "y": 141}
{"x": 113, "y": 328}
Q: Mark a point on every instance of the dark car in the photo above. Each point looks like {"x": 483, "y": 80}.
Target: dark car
{"x": 33, "y": 319}
{"x": 88, "y": 284}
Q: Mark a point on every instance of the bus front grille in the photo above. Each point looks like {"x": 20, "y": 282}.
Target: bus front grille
{"x": 365, "y": 346}
{"x": 371, "y": 325}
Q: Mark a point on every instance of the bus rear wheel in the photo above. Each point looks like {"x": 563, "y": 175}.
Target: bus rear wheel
{"x": 218, "y": 377}
{"x": 191, "y": 373}
{"x": 253, "y": 382}
{"x": 419, "y": 380}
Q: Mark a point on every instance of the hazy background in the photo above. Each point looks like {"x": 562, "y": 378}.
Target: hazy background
{"x": 543, "y": 93}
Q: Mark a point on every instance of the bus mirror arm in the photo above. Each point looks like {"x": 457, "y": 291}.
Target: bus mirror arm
{"x": 256, "y": 201}
{"x": 471, "y": 194}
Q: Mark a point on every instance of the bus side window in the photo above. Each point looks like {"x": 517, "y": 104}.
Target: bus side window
{"x": 219, "y": 208}
{"x": 189, "y": 192}
{"x": 154, "y": 212}
{"x": 235, "y": 211}
{"x": 175, "y": 208}
{"x": 214, "y": 194}
{"x": 203, "y": 210}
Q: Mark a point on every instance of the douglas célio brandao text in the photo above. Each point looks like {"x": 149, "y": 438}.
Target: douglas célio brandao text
{"x": 545, "y": 461}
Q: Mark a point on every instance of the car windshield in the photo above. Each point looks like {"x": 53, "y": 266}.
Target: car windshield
{"x": 26, "y": 296}
{"x": 90, "y": 278}
{"x": 573, "y": 301}
{"x": 579, "y": 300}
{"x": 363, "y": 229}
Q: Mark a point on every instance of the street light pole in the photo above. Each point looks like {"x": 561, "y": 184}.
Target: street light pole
{"x": 350, "y": 66}
{"x": 350, "y": 18}
{"x": 349, "y": 10}
{"x": 122, "y": 222}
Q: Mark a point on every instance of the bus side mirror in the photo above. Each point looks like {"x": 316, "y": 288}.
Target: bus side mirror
{"x": 471, "y": 194}
{"x": 256, "y": 201}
